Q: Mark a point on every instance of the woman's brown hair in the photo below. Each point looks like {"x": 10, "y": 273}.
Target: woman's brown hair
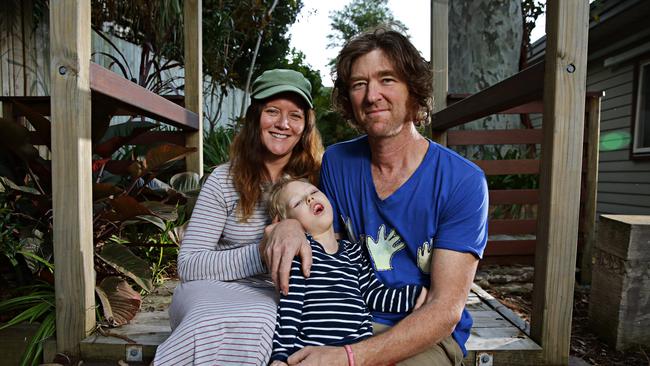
{"x": 247, "y": 157}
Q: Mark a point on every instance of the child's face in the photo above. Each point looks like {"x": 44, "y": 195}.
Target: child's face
{"x": 308, "y": 205}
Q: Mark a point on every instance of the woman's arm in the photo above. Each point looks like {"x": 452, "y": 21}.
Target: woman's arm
{"x": 201, "y": 255}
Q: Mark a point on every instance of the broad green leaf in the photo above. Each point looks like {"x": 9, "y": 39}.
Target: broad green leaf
{"x": 119, "y": 301}
{"x": 7, "y": 183}
{"x": 177, "y": 233}
{"x": 165, "y": 212}
{"x": 160, "y": 224}
{"x": 185, "y": 182}
{"x": 123, "y": 260}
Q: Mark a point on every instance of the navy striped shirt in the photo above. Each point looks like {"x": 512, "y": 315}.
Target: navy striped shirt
{"x": 332, "y": 306}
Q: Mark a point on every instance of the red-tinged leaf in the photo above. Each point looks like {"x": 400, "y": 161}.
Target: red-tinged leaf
{"x": 99, "y": 164}
{"x": 15, "y": 138}
{"x": 108, "y": 147}
{"x": 127, "y": 207}
{"x": 136, "y": 169}
{"x": 119, "y": 167}
{"x": 119, "y": 301}
{"x": 166, "y": 153}
{"x": 41, "y": 124}
{"x": 103, "y": 190}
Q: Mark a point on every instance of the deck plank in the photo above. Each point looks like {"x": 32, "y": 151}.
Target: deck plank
{"x": 493, "y": 330}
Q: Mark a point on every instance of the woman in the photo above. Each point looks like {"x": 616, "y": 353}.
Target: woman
{"x": 223, "y": 312}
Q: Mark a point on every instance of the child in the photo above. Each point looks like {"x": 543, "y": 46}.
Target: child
{"x": 332, "y": 306}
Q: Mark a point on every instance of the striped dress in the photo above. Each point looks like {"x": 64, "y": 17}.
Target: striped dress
{"x": 223, "y": 312}
{"x": 332, "y": 306}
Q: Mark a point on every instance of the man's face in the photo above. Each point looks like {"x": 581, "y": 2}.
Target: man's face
{"x": 379, "y": 97}
{"x": 308, "y": 205}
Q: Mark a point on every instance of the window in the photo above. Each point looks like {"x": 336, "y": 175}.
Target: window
{"x": 641, "y": 138}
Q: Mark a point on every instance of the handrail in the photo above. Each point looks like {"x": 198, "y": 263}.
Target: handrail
{"x": 521, "y": 88}
{"x": 134, "y": 97}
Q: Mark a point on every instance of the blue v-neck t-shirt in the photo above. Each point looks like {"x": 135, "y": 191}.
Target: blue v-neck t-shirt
{"x": 443, "y": 205}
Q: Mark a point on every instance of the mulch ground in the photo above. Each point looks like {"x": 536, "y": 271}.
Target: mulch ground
{"x": 585, "y": 345}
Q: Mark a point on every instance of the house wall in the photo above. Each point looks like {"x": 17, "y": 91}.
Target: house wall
{"x": 623, "y": 184}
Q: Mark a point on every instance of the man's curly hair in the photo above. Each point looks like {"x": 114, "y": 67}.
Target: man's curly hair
{"x": 409, "y": 65}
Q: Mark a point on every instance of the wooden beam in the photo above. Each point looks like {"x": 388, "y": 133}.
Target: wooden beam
{"x": 567, "y": 24}
{"x": 503, "y": 167}
{"x": 439, "y": 62}
{"x": 131, "y": 96}
{"x": 494, "y": 137}
{"x": 512, "y": 227}
{"x": 521, "y": 88}
{"x": 41, "y": 105}
{"x": 510, "y": 248}
{"x": 192, "y": 16}
{"x": 591, "y": 185}
{"x": 517, "y": 196}
{"x": 71, "y": 172}
{"x": 536, "y": 106}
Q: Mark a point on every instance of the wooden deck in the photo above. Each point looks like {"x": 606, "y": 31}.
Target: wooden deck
{"x": 497, "y": 334}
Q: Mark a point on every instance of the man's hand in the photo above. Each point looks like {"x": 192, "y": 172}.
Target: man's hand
{"x": 281, "y": 243}
{"x": 278, "y": 363}
{"x": 323, "y": 355}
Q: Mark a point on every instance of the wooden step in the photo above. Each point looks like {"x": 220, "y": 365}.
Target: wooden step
{"x": 497, "y": 333}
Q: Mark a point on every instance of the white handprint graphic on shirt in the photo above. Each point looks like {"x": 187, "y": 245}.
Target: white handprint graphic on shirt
{"x": 424, "y": 257}
{"x": 384, "y": 248}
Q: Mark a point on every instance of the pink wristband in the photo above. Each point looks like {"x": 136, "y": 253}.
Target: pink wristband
{"x": 348, "y": 350}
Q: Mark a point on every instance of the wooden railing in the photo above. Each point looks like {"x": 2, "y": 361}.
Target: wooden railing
{"x": 520, "y": 94}
{"x": 126, "y": 99}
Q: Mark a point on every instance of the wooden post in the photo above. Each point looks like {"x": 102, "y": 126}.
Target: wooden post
{"x": 591, "y": 186}
{"x": 564, "y": 109}
{"x": 71, "y": 172}
{"x": 194, "y": 78}
{"x": 439, "y": 61}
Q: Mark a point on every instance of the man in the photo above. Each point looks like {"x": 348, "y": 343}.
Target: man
{"x": 419, "y": 209}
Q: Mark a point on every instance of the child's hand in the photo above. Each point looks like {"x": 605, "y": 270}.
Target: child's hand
{"x": 278, "y": 363}
{"x": 421, "y": 299}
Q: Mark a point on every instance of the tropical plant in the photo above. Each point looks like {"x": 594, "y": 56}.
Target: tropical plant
{"x": 36, "y": 305}
{"x": 216, "y": 147}
{"x": 129, "y": 209}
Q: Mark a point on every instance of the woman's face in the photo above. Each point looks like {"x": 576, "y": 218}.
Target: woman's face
{"x": 281, "y": 124}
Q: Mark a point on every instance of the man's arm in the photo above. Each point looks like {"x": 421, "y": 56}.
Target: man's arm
{"x": 282, "y": 242}
{"x": 452, "y": 274}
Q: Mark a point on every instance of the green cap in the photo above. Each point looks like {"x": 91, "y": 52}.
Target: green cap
{"x": 276, "y": 81}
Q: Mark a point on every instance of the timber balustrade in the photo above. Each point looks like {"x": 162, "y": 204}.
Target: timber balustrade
{"x": 520, "y": 94}
{"x": 127, "y": 99}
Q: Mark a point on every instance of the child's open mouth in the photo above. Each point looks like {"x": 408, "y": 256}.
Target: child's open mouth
{"x": 318, "y": 209}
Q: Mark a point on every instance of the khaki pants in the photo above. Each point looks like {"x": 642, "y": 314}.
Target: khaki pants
{"x": 445, "y": 353}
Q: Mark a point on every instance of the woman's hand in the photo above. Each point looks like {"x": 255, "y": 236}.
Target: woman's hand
{"x": 281, "y": 243}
